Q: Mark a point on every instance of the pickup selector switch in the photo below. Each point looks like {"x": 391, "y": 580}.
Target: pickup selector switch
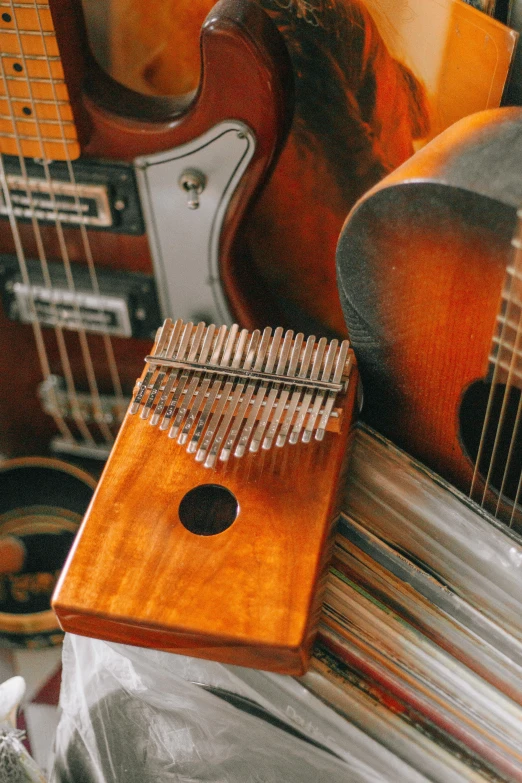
{"x": 193, "y": 182}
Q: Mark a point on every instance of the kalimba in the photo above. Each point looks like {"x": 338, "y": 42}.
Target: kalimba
{"x": 210, "y": 529}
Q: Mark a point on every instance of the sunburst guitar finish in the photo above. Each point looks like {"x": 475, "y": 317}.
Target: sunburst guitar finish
{"x": 211, "y": 527}
{"x": 430, "y": 275}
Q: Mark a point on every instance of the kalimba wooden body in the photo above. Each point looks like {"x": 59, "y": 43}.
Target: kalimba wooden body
{"x": 220, "y": 559}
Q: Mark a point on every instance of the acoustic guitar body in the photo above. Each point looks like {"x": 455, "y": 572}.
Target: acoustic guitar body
{"x": 225, "y": 562}
{"x": 428, "y": 269}
{"x": 101, "y": 290}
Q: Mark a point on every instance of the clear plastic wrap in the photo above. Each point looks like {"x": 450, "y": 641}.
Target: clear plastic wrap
{"x": 16, "y": 765}
{"x": 132, "y": 715}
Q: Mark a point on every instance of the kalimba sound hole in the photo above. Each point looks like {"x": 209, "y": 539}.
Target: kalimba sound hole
{"x": 208, "y": 509}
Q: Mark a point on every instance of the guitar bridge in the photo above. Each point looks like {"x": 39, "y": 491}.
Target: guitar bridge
{"x": 224, "y": 391}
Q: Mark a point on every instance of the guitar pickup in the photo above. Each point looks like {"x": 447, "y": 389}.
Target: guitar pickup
{"x": 95, "y": 194}
{"x": 125, "y": 304}
{"x": 62, "y": 202}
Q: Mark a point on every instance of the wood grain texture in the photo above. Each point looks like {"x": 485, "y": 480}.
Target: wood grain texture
{"x": 357, "y": 111}
{"x": 249, "y": 595}
{"x": 422, "y": 262}
{"x": 246, "y": 75}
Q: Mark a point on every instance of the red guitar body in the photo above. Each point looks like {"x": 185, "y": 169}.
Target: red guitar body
{"x": 245, "y": 76}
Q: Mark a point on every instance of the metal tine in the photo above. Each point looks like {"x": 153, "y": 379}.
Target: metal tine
{"x": 180, "y": 354}
{"x": 285, "y": 393}
{"x": 234, "y": 400}
{"x": 160, "y": 377}
{"x": 305, "y": 402}
{"x": 215, "y": 389}
{"x": 223, "y": 401}
{"x": 320, "y": 395}
{"x": 273, "y": 393}
{"x": 197, "y": 375}
{"x": 298, "y": 393}
{"x": 203, "y": 387}
{"x": 338, "y": 374}
{"x": 181, "y": 381}
{"x": 245, "y": 402}
{"x": 273, "y": 352}
{"x": 165, "y": 330}
{"x": 177, "y": 333}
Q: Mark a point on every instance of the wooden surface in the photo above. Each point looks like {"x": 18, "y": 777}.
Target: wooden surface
{"x": 357, "y": 111}
{"x": 249, "y": 595}
{"x": 422, "y": 262}
{"x": 35, "y": 113}
{"x": 246, "y": 76}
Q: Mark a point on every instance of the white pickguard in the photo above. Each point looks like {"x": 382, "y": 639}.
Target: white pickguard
{"x": 185, "y": 242}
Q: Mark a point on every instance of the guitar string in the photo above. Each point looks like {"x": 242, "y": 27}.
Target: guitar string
{"x": 489, "y": 406}
{"x": 503, "y": 410}
{"x": 517, "y": 276}
{"x": 109, "y": 351}
{"x": 508, "y": 288}
{"x": 76, "y": 411}
{"x": 512, "y": 371}
{"x": 22, "y": 261}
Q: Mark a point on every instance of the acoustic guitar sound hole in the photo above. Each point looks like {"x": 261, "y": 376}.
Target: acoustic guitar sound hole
{"x": 208, "y": 509}
{"x": 507, "y": 465}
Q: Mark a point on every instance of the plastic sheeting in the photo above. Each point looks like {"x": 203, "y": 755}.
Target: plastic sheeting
{"x": 16, "y": 765}
{"x": 132, "y": 715}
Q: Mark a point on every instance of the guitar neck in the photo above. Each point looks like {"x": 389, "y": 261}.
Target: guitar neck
{"x": 36, "y": 118}
{"x": 505, "y": 359}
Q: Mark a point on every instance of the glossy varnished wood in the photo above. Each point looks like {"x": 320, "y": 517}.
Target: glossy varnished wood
{"x": 245, "y": 75}
{"x": 421, "y": 262}
{"x": 249, "y": 595}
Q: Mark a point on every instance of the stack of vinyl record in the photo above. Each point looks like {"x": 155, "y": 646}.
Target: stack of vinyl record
{"x": 420, "y": 643}
{"x": 417, "y": 669}
{"x": 416, "y": 672}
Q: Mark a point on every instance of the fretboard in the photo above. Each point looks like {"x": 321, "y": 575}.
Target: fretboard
{"x": 35, "y": 112}
{"x": 506, "y": 351}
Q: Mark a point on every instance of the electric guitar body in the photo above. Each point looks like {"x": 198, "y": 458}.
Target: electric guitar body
{"x": 358, "y": 110}
{"x": 119, "y": 209}
{"x": 430, "y": 270}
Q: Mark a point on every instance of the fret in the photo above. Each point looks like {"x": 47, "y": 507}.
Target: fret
{"x": 29, "y": 130}
{"x": 37, "y": 67}
{"x": 28, "y": 20}
{"x": 52, "y": 118}
{"x": 31, "y": 74}
{"x": 508, "y": 322}
{"x": 45, "y": 45}
{"x": 29, "y": 148}
{"x": 504, "y": 368}
{"x": 506, "y": 337}
{"x": 506, "y": 347}
{"x": 4, "y": 30}
{"x": 511, "y": 270}
{"x": 25, "y": 3}
{"x": 34, "y": 65}
{"x": 40, "y": 88}
{"x": 48, "y": 110}
{"x": 38, "y": 102}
